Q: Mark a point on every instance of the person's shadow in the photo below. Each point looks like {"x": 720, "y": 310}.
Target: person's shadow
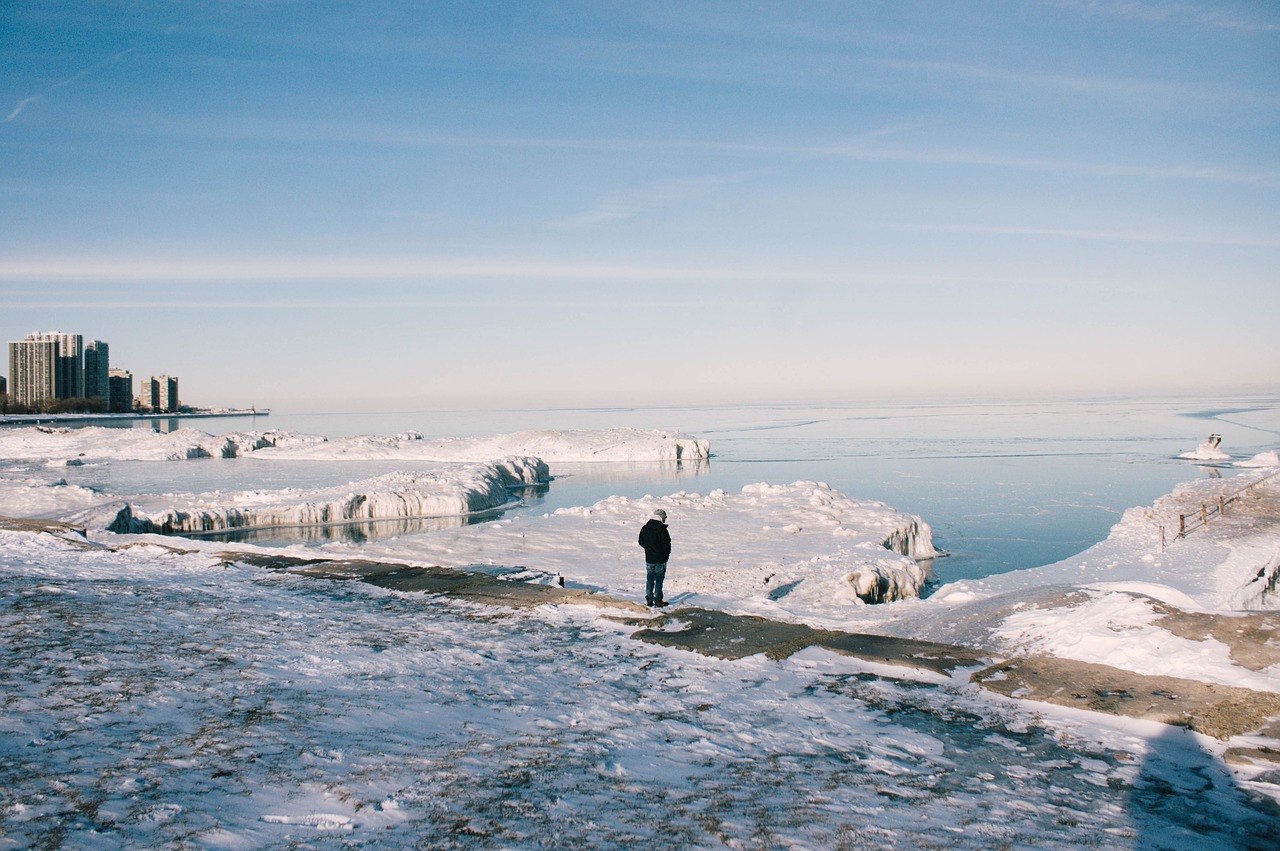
{"x": 1185, "y": 798}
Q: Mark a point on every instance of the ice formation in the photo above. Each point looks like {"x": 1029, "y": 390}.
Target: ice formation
{"x": 1270, "y": 458}
{"x": 885, "y": 583}
{"x": 96, "y": 443}
{"x": 449, "y": 492}
{"x": 1207, "y": 451}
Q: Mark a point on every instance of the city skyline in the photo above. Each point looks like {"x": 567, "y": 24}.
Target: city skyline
{"x": 52, "y": 367}
{"x": 589, "y": 204}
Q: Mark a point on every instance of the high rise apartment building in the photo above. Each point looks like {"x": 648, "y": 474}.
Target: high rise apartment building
{"x": 97, "y": 372}
{"x": 121, "y": 383}
{"x": 68, "y": 376}
{"x": 167, "y": 393}
{"x": 159, "y": 393}
{"x": 33, "y": 368}
{"x": 148, "y": 394}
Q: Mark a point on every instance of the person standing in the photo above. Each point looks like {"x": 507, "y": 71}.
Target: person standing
{"x": 656, "y": 541}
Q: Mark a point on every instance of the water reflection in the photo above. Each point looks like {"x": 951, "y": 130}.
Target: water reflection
{"x": 587, "y": 484}
{"x": 621, "y": 472}
{"x": 355, "y": 532}
{"x": 166, "y": 425}
{"x": 528, "y": 493}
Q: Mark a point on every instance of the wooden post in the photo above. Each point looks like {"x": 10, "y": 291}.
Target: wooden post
{"x": 1161, "y": 537}
{"x": 1204, "y": 514}
{"x": 1182, "y": 525}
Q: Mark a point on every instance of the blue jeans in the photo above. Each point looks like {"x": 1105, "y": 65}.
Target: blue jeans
{"x": 653, "y": 576}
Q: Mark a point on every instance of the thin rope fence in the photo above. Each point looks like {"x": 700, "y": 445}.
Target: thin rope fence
{"x": 1190, "y": 521}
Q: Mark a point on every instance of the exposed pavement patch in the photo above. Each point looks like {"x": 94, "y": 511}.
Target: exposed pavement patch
{"x": 475, "y": 586}
{"x": 1220, "y": 711}
{"x": 727, "y": 636}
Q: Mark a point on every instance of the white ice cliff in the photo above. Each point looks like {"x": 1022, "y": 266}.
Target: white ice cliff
{"x": 452, "y": 491}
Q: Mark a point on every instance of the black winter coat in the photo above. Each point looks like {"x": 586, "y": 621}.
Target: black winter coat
{"x": 656, "y": 541}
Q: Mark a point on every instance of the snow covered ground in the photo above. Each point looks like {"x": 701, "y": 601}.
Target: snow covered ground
{"x": 158, "y": 693}
{"x": 161, "y": 698}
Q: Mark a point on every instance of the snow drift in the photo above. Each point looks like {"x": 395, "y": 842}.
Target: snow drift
{"x": 97, "y": 443}
{"x": 448, "y": 492}
{"x": 608, "y": 445}
{"x": 1271, "y": 458}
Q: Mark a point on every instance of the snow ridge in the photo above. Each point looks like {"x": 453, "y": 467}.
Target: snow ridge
{"x": 136, "y": 444}
{"x": 450, "y": 492}
{"x": 577, "y": 446}
{"x": 584, "y": 445}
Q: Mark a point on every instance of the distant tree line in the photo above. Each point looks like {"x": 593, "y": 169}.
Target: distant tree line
{"x": 96, "y": 405}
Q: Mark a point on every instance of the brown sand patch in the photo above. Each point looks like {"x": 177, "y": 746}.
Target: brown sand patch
{"x": 1253, "y": 639}
{"x": 54, "y": 527}
{"x": 1217, "y": 710}
{"x": 458, "y": 584}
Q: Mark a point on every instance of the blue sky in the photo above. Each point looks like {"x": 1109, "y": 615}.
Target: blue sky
{"x": 318, "y": 206}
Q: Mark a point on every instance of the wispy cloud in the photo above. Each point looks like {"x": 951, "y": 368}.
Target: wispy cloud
{"x": 22, "y": 104}
{"x": 976, "y": 158}
{"x": 1097, "y": 235}
{"x": 629, "y": 205}
{"x": 1195, "y": 14}
{"x": 888, "y": 143}
{"x": 1144, "y": 93}
{"x": 62, "y": 84}
{"x": 865, "y": 147}
{"x": 356, "y": 268}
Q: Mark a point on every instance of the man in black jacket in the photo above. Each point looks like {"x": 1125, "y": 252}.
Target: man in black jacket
{"x": 656, "y": 541}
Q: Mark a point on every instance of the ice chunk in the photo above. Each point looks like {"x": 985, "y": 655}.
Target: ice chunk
{"x": 1262, "y": 459}
{"x": 1207, "y": 451}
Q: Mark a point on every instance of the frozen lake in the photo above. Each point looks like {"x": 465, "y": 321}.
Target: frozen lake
{"x": 1004, "y": 486}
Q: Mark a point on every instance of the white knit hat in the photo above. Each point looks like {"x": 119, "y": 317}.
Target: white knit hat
{"x": 660, "y": 516}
